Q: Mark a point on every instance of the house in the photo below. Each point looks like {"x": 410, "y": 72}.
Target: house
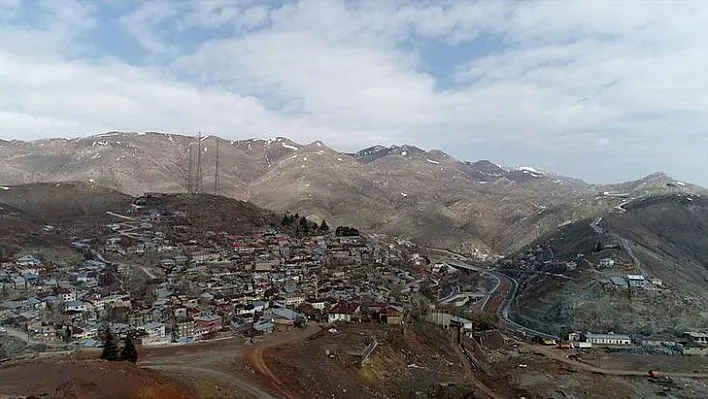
{"x": 697, "y": 338}
{"x": 264, "y": 326}
{"x": 309, "y": 311}
{"x": 65, "y": 295}
{"x": 608, "y": 339}
{"x": 35, "y": 303}
{"x": 185, "y": 328}
{"x": 391, "y": 315}
{"x": 342, "y": 312}
{"x": 210, "y": 323}
{"x": 19, "y": 282}
{"x": 606, "y": 262}
{"x": 28, "y": 261}
{"x": 287, "y": 314}
{"x": 635, "y": 280}
{"x": 619, "y": 281}
{"x": 572, "y": 265}
{"x": 154, "y": 329}
{"x": 75, "y": 306}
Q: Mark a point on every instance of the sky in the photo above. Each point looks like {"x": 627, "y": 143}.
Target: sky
{"x": 600, "y": 90}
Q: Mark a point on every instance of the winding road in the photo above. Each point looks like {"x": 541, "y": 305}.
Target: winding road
{"x": 507, "y": 288}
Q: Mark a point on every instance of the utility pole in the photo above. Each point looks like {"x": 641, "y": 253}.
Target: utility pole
{"x": 216, "y": 171}
{"x": 199, "y": 187}
{"x": 190, "y": 187}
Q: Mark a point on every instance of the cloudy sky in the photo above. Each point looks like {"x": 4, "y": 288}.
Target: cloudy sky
{"x": 601, "y": 90}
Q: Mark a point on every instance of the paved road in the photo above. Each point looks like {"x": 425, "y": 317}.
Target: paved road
{"x": 503, "y": 310}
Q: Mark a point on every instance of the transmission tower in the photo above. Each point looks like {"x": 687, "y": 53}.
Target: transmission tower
{"x": 190, "y": 187}
{"x": 199, "y": 189}
{"x": 216, "y": 169}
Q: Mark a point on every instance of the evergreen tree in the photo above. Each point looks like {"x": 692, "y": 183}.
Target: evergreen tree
{"x": 129, "y": 352}
{"x": 286, "y": 220}
{"x": 323, "y": 226}
{"x": 110, "y": 348}
{"x": 296, "y": 217}
{"x": 305, "y": 225}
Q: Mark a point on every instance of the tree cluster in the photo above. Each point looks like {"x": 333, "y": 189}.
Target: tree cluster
{"x": 111, "y": 352}
{"x": 346, "y": 231}
{"x": 303, "y": 226}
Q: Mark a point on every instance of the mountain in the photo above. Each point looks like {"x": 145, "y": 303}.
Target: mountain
{"x": 429, "y": 196}
{"x": 661, "y": 237}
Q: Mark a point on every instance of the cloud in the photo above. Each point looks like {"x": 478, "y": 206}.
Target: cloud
{"x": 533, "y": 81}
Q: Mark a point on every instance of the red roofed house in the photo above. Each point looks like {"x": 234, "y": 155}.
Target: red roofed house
{"x": 343, "y": 312}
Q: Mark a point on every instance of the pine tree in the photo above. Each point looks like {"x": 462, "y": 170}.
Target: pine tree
{"x": 286, "y": 220}
{"x": 110, "y": 348}
{"x": 323, "y": 226}
{"x": 129, "y": 352}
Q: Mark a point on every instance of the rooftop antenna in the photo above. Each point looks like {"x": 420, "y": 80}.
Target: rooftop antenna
{"x": 216, "y": 171}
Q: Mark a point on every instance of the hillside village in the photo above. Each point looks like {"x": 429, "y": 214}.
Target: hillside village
{"x": 151, "y": 275}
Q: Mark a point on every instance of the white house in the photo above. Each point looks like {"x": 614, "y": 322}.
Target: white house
{"x": 156, "y": 334}
{"x": 66, "y": 295}
{"x": 608, "y": 339}
{"x": 607, "y": 262}
{"x": 342, "y": 312}
{"x": 75, "y": 306}
{"x": 28, "y": 261}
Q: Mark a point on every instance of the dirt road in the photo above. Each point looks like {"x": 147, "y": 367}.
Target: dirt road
{"x": 257, "y": 358}
{"x": 206, "y": 361}
{"x": 552, "y": 353}
{"x": 217, "y": 376}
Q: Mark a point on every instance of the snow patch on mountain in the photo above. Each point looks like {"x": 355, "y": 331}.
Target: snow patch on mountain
{"x": 290, "y": 147}
{"x": 530, "y": 171}
{"x": 432, "y": 161}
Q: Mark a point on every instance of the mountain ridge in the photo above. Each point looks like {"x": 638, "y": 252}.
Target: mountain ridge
{"x": 430, "y": 196}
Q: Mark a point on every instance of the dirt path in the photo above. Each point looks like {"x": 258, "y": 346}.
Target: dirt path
{"x": 469, "y": 374}
{"x": 204, "y": 361}
{"x": 559, "y": 357}
{"x": 257, "y": 358}
{"x": 214, "y": 375}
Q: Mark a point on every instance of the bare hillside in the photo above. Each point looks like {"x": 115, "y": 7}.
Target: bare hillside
{"x": 662, "y": 238}
{"x": 429, "y": 196}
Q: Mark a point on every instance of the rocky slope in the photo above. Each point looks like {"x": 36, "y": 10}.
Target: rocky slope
{"x": 661, "y": 237}
{"x": 474, "y": 207}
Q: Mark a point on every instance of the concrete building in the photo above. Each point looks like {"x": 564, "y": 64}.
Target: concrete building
{"x": 608, "y": 339}
{"x": 607, "y": 262}
{"x": 635, "y": 280}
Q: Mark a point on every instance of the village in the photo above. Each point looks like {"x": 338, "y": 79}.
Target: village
{"x": 151, "y": 276}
